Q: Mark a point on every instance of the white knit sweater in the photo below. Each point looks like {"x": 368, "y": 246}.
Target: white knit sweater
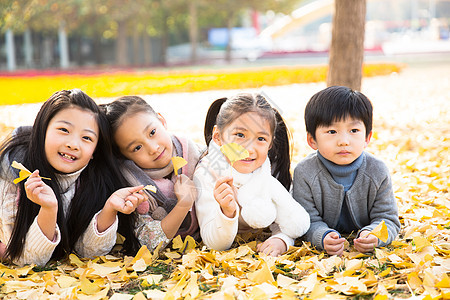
{"x": 38, "y": 248}
{"x": 263, "y": 200}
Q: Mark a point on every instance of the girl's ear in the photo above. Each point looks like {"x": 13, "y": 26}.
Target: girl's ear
{"x": 311, "y": 141}
{"x": 216, "y": 136}
{"x": 163, "y": 121}
{"x": 369, "y": 136}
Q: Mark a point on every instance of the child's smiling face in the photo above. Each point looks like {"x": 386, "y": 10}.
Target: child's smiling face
{"x": 342, "y": 141}
{"x": 144, "y": 139}
{"x": 71, "y": 138}
{"x": 252, "y": 132}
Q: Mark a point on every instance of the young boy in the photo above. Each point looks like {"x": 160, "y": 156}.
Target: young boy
{"x": 343, "y": 188}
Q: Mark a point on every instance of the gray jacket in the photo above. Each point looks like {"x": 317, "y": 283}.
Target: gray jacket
{"x": 370, "y": 199}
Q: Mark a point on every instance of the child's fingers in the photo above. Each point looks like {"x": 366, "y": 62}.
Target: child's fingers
{"x": 34, "y": 174}
{"x": 225, "y": 179}
{"x": 333, "y": 235}
{"x": 135, "y": 189}
{"x": 336, "y": 249}
{"x": 225, "y": 197}
{"x": 182, "y": 178}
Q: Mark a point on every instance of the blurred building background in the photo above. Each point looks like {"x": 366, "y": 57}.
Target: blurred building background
{"x": 73, "y": 34}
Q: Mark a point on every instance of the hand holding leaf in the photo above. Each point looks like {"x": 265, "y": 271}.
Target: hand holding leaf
{"x": 381, "y": 232}
{"x": 24, "y": 173}
{"x": 234, "y": 152}
{"x": 178, "y": 162}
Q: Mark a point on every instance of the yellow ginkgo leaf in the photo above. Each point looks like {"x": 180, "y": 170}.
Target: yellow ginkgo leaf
{"x": 234, "y": 152}
{"x": 24, "y": 173}
{"x": 150, "y": 188}
{"x": 86, "y": 286}
{"x": 177, "y": 242}
{"x": 183, "y": 247}
{"x": 444, "y": 283}
{"x": 262, "y": 275}
{"x": 381, "y": 232}
{"x": 178, "y": 162}
{"x": 421, "y": 242}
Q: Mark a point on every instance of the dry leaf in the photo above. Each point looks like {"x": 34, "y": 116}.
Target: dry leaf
{"x": 234, "y": 152}
{"x": 381, "y": 232}
{"x": 178, "y": 162}
{"x": 24, "y": 173}
{"x": 150, "y": 188}
{"x": 262, "y": 275}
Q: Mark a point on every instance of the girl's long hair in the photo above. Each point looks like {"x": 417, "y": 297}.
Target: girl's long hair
{"x": 95, "y": 184}
{"x": 115, "y": 113}
{"x": 223, "y": 111}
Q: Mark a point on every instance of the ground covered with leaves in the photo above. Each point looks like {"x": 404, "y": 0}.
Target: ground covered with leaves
{"x": 411, "y": 134}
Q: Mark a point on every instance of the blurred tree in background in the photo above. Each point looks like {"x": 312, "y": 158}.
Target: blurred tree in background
{"x": 125, "y": 32}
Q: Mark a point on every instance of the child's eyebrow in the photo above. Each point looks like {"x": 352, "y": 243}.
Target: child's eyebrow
{"x": 262, "y": 132}
{"x": 70, "y": 124}
{"x": 357, "y": 122}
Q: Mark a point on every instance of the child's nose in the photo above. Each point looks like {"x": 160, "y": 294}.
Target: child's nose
{"x": 343, "y": 140}
{"x": 72, "y": 144}
{"x": 152, "y": 147}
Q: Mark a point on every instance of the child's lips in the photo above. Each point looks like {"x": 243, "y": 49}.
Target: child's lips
{"x": 161, "y": 154}
{"x": 67, "y": 156}
{"x": 247, "y": 160}
{"x": 344, "y": 152}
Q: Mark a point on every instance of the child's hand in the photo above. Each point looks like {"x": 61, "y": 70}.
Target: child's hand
{"x": 185, "y": 191}
{"x": 126, "y": 200}
{"x": 366, "y": 242}
{"x": 40, "y": 193}
{"x": 274, "y": 247}
{"x": 224, "y": 193}
{"x": 333, "y": 244}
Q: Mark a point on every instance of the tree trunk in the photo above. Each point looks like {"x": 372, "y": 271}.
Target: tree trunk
{"x": 147, "y": 45}
{"x": 63, "y": 44}
{"x": 78, "y": 54}
{"x": 97, "y": 49}
{"x": 230, "y": 39}
{"x": 347, "y": 44}
{"x": 164, "y": 39}
{"x": 193, "y": 30}
{"x": 10, "y": 50}
{"x": 136, "y": 48}
{"x": 121, "y": 44}
{"x": 28, "y": 48}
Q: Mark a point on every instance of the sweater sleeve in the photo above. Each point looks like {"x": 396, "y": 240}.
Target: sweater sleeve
{"x": 37, "y": 249}
{"x": 150, "y": 233}
{"x": 303, "y": 194}
{"x": 292, "y": 218}
{"x": 384, "y": 207}
{"x": 217, "y": 230}
{"x": 92, "y": 243}
{"x": 276, "y": 233}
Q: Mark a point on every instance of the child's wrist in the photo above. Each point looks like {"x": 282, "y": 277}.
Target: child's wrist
{"x": 229, "y": 213}
{"x": 109, "y": 209}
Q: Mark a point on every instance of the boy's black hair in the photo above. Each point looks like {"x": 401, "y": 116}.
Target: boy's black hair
{"x": 337, "y": 103}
